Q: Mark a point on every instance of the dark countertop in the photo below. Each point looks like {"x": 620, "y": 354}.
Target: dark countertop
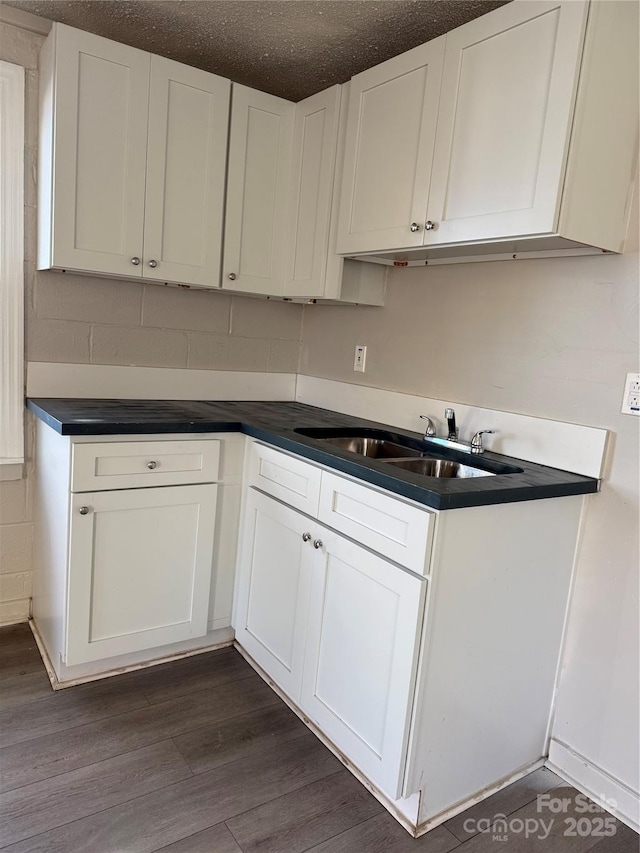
{"x": 276, "y": 423}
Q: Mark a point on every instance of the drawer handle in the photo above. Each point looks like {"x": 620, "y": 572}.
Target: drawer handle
{"x": 306, "y": 537}
{"x": 317, "y": 543}
{"x": 151, "y": 465}
{"x": 84, "y": 510}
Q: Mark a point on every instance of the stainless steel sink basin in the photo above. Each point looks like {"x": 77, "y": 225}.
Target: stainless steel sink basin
{"x": 430, "y": 467}
{"x": 406, "y": 453}
{"x": 374, "y": 448}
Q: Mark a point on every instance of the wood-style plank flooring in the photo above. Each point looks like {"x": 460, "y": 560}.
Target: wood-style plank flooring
{"x": 200, "y": 756}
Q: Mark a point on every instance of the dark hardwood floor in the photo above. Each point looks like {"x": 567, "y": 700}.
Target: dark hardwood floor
{"x": 200, "y": 756}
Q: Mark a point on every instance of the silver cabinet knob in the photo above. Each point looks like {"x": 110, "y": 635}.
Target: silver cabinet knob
{"x": 84, "y": 510}
{"x": 232, "y": 276}
{"x": 317, "y": 543}
{"x": 153, "y": 264}
{"x": 135, "y": 261}
{"x": 414, "y": 227}
{"x": 429, "y": 225}
{"x": 306, "y": 537}
{"x": 151, "y": 465}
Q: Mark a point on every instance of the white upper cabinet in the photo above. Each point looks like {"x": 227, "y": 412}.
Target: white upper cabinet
{"x": 131, "y": 162}
{"x": 186, "y": 160}
{"x": 315, "y": 145}
{"x": 94, "y": 97}
{"x": 535, "y": 145}
{"x": 508, "y": 90}
{"x": 255, "y": 238}
{"x": 389, "y": 150}
{"x": 315, "y": 270}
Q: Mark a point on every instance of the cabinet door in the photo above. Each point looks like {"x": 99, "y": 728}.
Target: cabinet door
{"x": 361, "y": 656}
{"x": 314, "y": 159}
{"x": 140, "y": 564}
{"x": 274, "y": 573}
{"x": 389, "y": 149}
{"x": 506, "y": 106}
{"x": 257, "y": 192}
{"x": 187, "y": 155}
{"x": 99, "y": 153}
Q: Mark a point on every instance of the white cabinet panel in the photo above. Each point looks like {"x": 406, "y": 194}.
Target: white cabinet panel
{"x": 260, "y": 143}
{"x": 390, "y": 139}
{"x": 132, "y": 464}
{"x": 98, "y": 90}
{"x": 139, "y": 569}
{"x": 285, "y": 477}
{"x": 314, "y": 160}
{"x": 506, "y": 105}
{"x": 384, "y": 523}
{"x": 188, "y": 126}
{"x": 361, "y": 656}
{"x": 273, "y": 589}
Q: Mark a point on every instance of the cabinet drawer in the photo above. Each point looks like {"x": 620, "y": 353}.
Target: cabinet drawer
{"x": 290, "y": 480}
{"x": 135, "y": 464}
{"x": 383, "y": 523}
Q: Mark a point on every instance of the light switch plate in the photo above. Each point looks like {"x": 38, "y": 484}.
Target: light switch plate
{"x": 631, "y": 398}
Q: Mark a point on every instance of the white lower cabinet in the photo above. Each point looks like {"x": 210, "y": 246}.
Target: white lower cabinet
{"x": 135, "y": 547}
{"x": 335, "y": 627}
{"x": 423, "y": 646}
{"x": 273, "y": 588}
{"x": 361, "y": 653}
{"x": 139, "y": 569}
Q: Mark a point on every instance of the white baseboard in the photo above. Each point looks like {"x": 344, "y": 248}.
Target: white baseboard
{"x": 571, "y": 447}
{"x": 614, "y": 795}
{"x": 49, "y": 379}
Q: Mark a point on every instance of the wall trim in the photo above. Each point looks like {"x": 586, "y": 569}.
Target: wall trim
{"x": 571, "y": 447}
{"x": 48, "y": 379}
{"x": 596, "y": 783}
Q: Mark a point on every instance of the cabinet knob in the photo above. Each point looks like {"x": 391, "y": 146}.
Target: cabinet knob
{"x": 429, "y": 225}
{"x": 317, "y": 543}
{"x": 153, "y": 264}
{"x": 306, "y": 537}
{"x": 232, "y": 276}
{"x": 151, "y": 465}
{"x": 84, "y": 510}
{"x": 414, "y": 227}
{"x": 135, "y": 261}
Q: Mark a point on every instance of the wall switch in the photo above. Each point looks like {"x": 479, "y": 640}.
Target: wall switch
{"x": 631, "y": 398}
{"x": 360, "y": 359}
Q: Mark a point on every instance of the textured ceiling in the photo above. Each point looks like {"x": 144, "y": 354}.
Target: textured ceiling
{"x": 290, "y": 48}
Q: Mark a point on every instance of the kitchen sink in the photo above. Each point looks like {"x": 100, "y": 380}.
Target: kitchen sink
{"x": 374, "y": 448}
{"x": 432, "y": 467}
{"x": 408, "y": 454}
{"x": 374, "y": 443}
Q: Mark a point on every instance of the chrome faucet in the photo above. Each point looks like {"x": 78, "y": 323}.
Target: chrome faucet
{"x": 474, "y": 446}
{"x": 450, "y": 415}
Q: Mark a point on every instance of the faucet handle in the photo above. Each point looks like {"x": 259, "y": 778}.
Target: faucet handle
{"x": 476, "y": 441}
{"x": 430, "y": 431}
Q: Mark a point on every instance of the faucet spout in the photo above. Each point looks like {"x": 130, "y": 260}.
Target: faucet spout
{"x": 450, "y": 415}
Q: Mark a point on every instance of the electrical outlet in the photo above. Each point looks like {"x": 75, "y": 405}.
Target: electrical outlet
{"x": 360, "y": 359}
{"x": 631, "y": 398}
